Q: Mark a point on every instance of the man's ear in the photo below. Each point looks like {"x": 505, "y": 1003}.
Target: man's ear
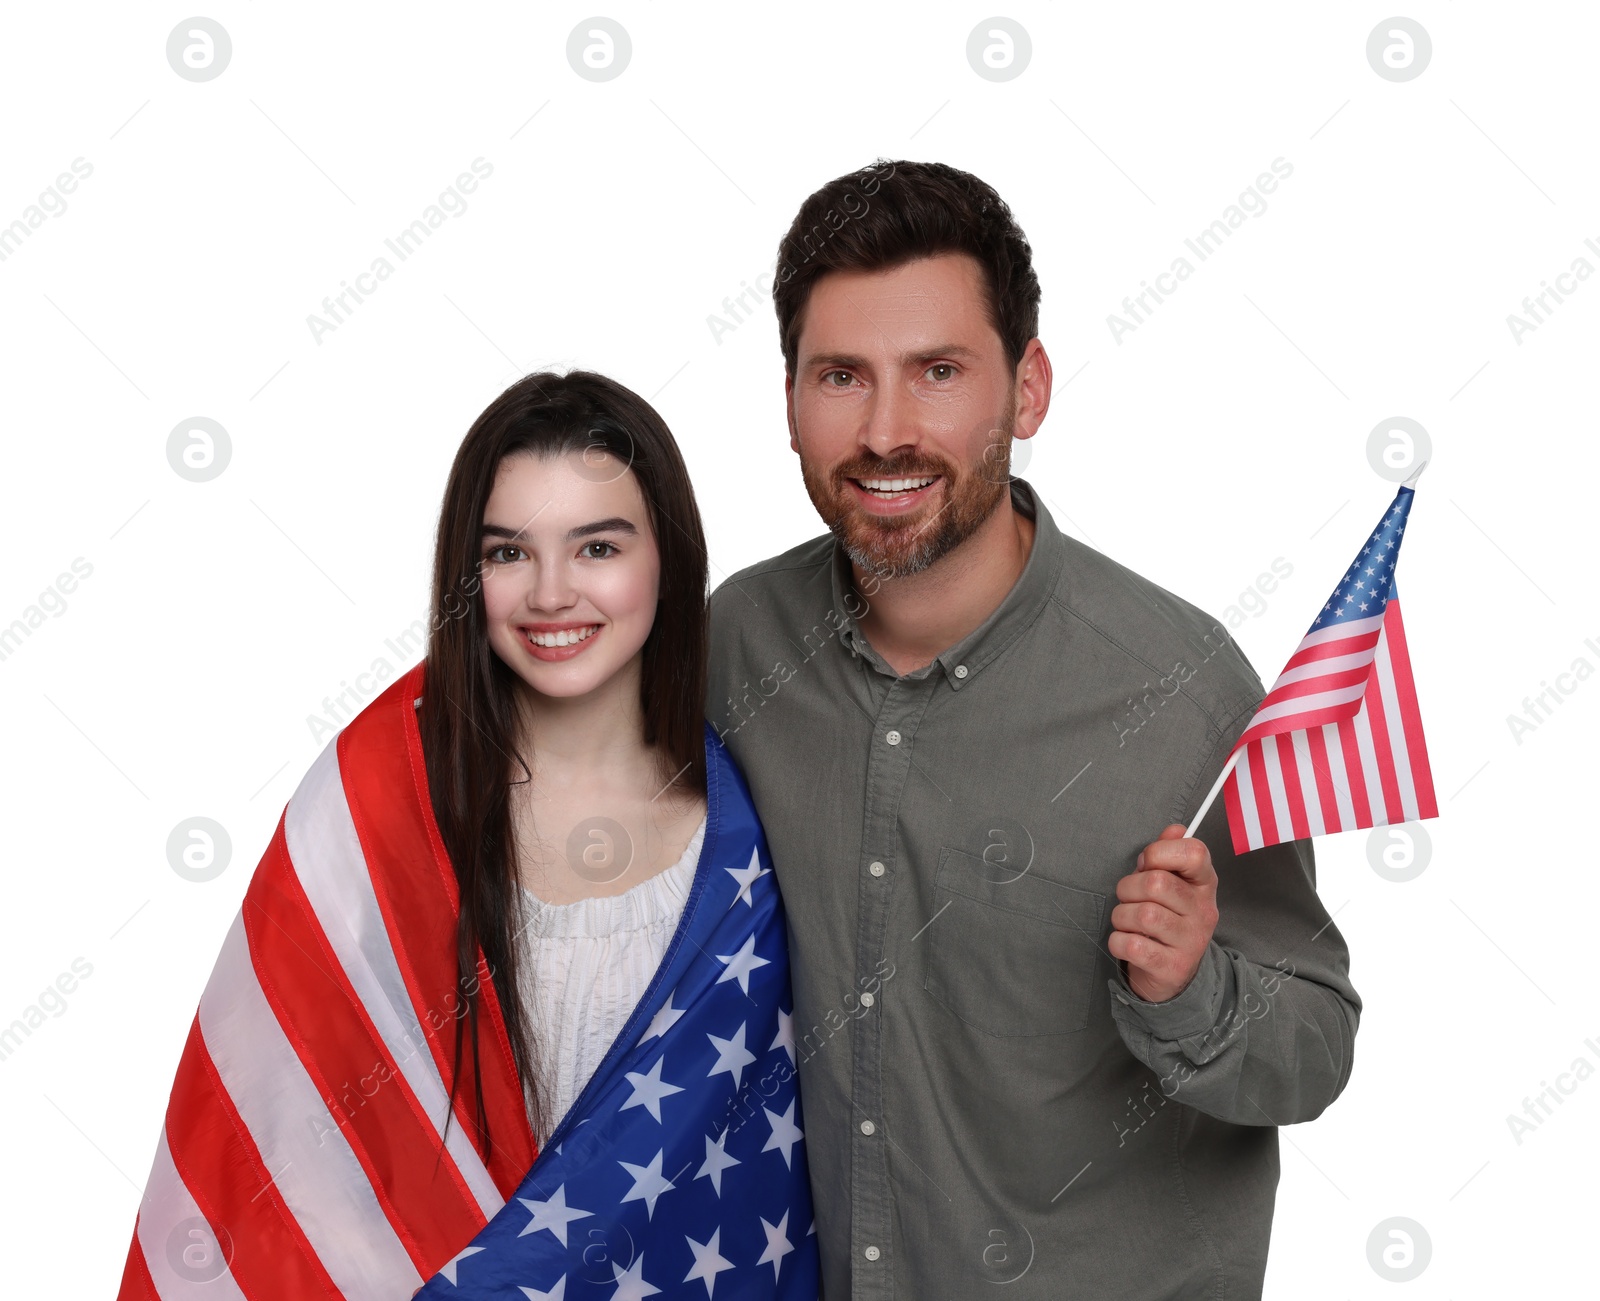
{"x": 1033, "y": 389}
{"x": 788, "y": 411}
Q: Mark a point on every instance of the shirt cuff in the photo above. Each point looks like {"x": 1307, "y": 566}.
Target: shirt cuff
{"x": 1192, "y": 1012}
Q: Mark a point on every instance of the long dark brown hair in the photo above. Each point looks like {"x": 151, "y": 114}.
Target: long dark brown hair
{"x": 468, "y": 716}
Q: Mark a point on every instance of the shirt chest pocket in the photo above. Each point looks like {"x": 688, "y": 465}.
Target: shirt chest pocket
{"x": 1011, "y": 955}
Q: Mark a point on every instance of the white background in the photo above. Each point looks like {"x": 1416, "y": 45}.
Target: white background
{"x": 1228, "y": 430}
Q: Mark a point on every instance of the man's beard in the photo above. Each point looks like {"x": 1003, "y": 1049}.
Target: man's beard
{"x": 899, "y": 546}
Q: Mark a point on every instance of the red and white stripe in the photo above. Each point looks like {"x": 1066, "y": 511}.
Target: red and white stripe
{"x": 303, "y": 1136}
{"x": 1336, "y": 744}
{"x": 1323, "y": 681}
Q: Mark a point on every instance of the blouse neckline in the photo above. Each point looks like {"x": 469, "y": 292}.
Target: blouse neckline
{"x": 656, "y": 899}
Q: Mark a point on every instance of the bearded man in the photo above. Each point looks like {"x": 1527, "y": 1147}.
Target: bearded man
{"x": 1044, "y": 1039}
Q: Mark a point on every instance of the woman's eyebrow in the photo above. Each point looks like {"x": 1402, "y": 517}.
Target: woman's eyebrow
{"x": 616, "y": 524}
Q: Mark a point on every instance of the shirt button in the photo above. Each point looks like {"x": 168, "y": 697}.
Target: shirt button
{"x": 961, "y": 670}
{"x": 867, "y": 1000}
{"x": 875, "y": 868}
{"x": 872, "y": 1253}
{"x": 867, "y": 1127}
{"x": 893, "y": 738}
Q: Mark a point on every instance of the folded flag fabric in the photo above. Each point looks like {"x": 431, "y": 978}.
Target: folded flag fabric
{"x": 305, "y": 1151}
{"x": 1337, "y": 743}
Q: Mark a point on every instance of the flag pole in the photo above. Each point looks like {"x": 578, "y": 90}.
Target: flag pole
{"x": 1215, "y": 787}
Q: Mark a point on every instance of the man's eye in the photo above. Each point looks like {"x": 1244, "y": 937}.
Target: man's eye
{"x": 949, "y": 370}
{"x": 606, "y": 555}
{"x": 834, "y": 375}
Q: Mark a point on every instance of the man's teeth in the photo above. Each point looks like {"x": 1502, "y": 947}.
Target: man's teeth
{"x": 568, "y": 638}
{"x": 882, "y": 486}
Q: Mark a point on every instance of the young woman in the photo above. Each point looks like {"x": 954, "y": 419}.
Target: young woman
{"x": 505, "y": 1010}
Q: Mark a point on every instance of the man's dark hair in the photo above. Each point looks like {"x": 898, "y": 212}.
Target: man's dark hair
{"x": 891, "y": 213}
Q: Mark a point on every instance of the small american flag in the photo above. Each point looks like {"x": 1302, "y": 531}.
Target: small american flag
{"x": 1337, "y": 742}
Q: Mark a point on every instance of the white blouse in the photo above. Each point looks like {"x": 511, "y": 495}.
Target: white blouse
{"x": 584, "y": 966}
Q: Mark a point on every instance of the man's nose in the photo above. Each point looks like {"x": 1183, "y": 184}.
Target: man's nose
{"x": 888, "y": 422}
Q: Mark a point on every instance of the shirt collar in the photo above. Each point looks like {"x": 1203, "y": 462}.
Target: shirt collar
{"x": 963, "y": 662}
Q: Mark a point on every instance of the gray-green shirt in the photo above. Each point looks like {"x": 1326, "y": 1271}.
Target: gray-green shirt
{"x": 984, "y": 1098}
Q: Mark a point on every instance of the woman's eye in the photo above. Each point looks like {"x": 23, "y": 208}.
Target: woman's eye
{"x": 499, "y": 556}
{"x": 588, "y": 550}
{"x": 948, "y": 370}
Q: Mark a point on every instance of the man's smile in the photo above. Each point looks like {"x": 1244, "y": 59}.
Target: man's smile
{"x": 901, "y": 493}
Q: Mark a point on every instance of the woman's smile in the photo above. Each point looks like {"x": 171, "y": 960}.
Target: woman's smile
{"x": 558, "y": 641}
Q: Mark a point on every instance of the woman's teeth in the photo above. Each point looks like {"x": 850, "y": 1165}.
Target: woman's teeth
{"x": 895, "y": 487}
{"x": 567, "y": 638}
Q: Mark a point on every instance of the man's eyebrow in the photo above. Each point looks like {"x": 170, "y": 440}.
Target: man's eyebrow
{"x": 922, "y": 356}
{"x": 616, "y": 524}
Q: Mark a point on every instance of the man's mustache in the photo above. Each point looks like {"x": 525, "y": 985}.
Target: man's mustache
{"x": 889, "y": 469}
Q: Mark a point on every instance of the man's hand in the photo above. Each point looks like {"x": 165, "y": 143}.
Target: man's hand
{"x": 1168, "y": 910}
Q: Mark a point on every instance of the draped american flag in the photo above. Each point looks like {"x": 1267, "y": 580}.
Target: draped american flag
{"x": 301, "y": 1150}
{"x": 1337, "y": 742}
{"x": 305, "y": 1151}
